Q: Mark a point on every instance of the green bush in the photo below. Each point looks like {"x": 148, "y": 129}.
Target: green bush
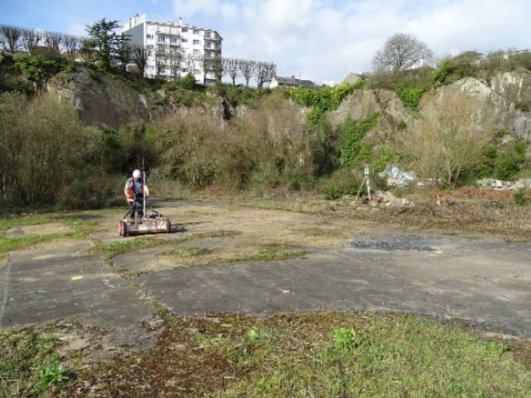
{"x": 410, "y": 96}
{"x": 188, "y": 82}
{"x": 353, "y": 150}
{"x": 521, "y": 198}
{"x": 36, "y": 68}
{"x": 342, "y": 182}
{"x": 325, "y": 98}
{"x": 524, "y": 106}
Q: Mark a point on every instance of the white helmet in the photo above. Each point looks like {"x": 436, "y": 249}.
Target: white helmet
{"x": 136, "y": 174}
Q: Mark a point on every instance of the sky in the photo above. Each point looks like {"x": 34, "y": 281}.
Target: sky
{"x": 319, "y": 40}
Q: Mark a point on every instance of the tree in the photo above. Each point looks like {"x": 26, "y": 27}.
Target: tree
{"x": 71, "y": 44}
{"x": 213, "y": 65}
{"x": 161, "y": 58}
{"x": 449, "y": 139}
{"x": 10, "y": 37}
{"x": 103, "y": 42}
{"x": 231, "y": 67}
{"x": 31, "y": 38}
{"x": 401, "y": 51}
{"x": 36, "y": 68}
{"x": 53, "y": 41}
{"x": 174, "y": 57}
{"x": 140, "y": 57}
{"x": 264, "y": 73}
{"x": 247, "y": 69}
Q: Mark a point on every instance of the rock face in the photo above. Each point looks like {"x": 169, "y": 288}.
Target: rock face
{"x": 361, "y": 104}
{"x": 100, "y": 99}
{"x": 108, "y": 101}
{"x": 498, "y": 99}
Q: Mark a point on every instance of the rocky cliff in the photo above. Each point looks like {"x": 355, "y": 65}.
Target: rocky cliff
{"x": 504, "y": 102}
{"x": 101, "y": 99}
{"x": 109, "y": 101}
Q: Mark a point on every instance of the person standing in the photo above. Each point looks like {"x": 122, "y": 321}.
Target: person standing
{"x": 135, "y": 189}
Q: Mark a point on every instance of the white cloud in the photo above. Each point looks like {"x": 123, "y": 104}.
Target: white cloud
{"x": 325, "y": 40}
{"x": 314, "y": 39}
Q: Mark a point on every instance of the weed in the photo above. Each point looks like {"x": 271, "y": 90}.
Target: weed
{"x": 186, "y": 251}
{"x": 521, "y": 198}
{"x": 29, "y": 365}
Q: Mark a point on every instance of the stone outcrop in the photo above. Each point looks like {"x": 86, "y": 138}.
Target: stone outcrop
{"x": 497, "y": 100}
{"x": 100, "y": 99}
{"x": 104, "y": 99}
{"x": 362, "y": 104}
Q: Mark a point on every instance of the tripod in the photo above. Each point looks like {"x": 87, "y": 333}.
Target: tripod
{"x": 367, "y": 182}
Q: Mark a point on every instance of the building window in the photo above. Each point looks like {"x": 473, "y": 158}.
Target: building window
{"x": 149, "y": 47}
{"x": 184, "y": 70}
{"x": 185, "y": 30}
{"x": 183, "y": 40}
{"x": 161, "y": 39}
{"x": 197, "y": 72}
{"x": 174, "y": 40}
{"x": 196, "y": 31}
{"x": 196, "y": 42}
{"x": 197, "y": 52}
{"x": 149, "y": 36}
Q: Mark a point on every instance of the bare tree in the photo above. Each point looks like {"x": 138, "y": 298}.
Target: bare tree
{"x": 53, "y": 41}
{"x": 264, "y": 72}
{"x": 31, "y": 38}
{"x": 247, "y": 69}
{"x": 161, "y": 57}
{"x": 449, "y": 138}
{"x": 213, "y": 65}
{"x": 139, "y": 56}
{"x": 10, "y": 37}
{"x": 401, "y": 51}
{"x": 71, "y": 44}
{"x": 174, "y": 57}
{"x": 123, "y": 51}
{"x": 192, "y": 63}
{"x": 231, "y": 67}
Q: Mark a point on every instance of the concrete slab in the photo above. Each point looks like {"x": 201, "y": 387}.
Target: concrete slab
{"x": 486, "y": 284}
{"x": 38, "y": 287}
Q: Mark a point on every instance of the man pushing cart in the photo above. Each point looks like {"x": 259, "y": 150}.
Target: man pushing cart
{"x": 135, "y": 220}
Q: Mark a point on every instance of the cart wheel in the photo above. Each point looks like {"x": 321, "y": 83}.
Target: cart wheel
{"x": 168, "y": 226}
{"x": 122, "y": 228}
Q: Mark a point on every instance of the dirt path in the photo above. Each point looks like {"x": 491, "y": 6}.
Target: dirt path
{"x": 227, "y": 258}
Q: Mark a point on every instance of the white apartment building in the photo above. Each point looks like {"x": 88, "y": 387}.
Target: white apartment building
{"x": 175, "y": 49}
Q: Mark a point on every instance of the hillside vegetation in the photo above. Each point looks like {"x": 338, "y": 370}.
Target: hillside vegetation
{"x": 71, "y": 133}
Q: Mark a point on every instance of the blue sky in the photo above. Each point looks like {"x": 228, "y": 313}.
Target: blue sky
{"x": 321, "y": 40}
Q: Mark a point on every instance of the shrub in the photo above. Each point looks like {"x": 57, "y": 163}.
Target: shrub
{"x": 521, "y": 198}
{"x": 353, "y": 150}
{"x": 524, "y": 106}
{"x": 342, "y": 182}
{"x": 188, "y": 82}
{"x": 36, "y": 68}
{"x": 410, "y": 96}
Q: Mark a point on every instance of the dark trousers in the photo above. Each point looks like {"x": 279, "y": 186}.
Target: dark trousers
{"x": 138, "y": 206}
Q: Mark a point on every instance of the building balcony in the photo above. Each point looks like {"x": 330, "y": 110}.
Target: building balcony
{"x": 212, "y": 37}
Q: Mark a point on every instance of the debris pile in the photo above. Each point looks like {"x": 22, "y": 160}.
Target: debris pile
{"x": 397, "y": 177}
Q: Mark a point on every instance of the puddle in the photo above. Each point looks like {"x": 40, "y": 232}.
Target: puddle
{"x": 395, "y": 243}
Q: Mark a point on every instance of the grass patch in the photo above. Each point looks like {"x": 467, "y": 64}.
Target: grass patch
{"x": 317, "y": 354}
{"x": 110, "y": 250}
{"x": 29, "y": 364}
{"x": 9, "y": 244}
{"x": 187, "y": 251}
{"x": 12, "y": 222}
{"x": 273, "y": 252}
{"x": 79, "y": 230}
